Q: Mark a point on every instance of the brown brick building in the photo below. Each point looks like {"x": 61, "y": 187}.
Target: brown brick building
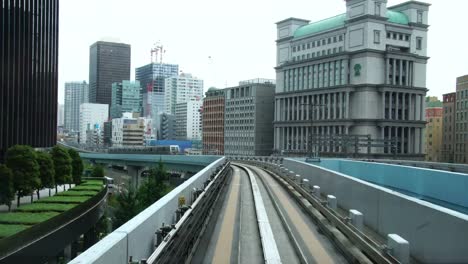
{"x": 213, "y": 122}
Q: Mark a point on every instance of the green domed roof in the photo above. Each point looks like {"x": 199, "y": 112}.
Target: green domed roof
{"x": 339, "y": 21}
{"x": 211, "y": 89}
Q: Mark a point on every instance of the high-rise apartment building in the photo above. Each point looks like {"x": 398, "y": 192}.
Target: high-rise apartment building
{"x": 76, "y": 93}
{"x": 213, "y": 122}
{"x": 109, "y": 62}
{"x": 60, "y": 115}
{"x": 181, "y": 89}
{"x": 358, "y": 73}
{"x": 166, "y": 127}
{"x": 188, "y": 120}
{"x": 434, "y": 126}
{"x": 28, "y": 73}
{"x": 448, "y": 130}
{"x": 461, "y": 120}
{"x": 248, "y": 118}
{"x": 92, "y": 117}
{"x": 152, "y": 80}
{"x": 126, "y": 97}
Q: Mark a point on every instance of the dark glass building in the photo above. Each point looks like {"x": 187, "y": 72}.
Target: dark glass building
{"x": 28, "y": 73}
{"x": 109, "y": 62}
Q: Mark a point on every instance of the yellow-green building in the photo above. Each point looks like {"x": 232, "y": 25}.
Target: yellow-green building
{"x": 433, "y": 134}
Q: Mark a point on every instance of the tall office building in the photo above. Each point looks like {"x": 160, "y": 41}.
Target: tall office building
{"x": 181, "y": 89}
{"x": 109, "y": 62}
{"x": 213, "y": 122}
{"x": 188, "y": 120}
{"x": 434, "y": 127}
{"x": 249, "y": 112}
{"x": 448, "y": 131}
{"x": 126, "y": 97}
{"x": 76, "y": 93}
{"x": 166, "y": 127}
{"x": 128, "y": 131}
{"x": 152, "y": 80}
{"x": 461, "y": 120}
{"x": 28, "y": 73}
{"x": 359, "y": 73}
{"x": 92, "y": 118}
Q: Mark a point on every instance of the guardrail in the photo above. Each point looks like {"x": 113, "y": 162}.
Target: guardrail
{"x": 453, "y": 167}
{"x": 136, "y": 239}
{"x": 45, "y": 240}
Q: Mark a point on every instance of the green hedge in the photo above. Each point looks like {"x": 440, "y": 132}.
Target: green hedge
{"x": 64, "y": 199}
{"x": 86, "y": 188}
{"x": 92, "y": 182}
{"x": 8, "y": 230}
{"x": 45, "y": 207}
{"x": 26, "y": 218}
{"x": 77, "y": 193}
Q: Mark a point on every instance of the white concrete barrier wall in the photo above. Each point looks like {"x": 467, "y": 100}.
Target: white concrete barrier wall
{"x": 436, "y": 234}
{"x": 136, "y": 237}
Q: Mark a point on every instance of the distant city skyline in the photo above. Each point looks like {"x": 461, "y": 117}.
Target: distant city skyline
{"x": 221, "y": 49}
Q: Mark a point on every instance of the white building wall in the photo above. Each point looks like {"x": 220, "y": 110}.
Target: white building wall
{"x": 92, "y": 114}
{"x": 181, "y": 89}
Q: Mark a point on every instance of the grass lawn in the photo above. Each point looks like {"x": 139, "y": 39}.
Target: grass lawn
{"x": 26, "y": 218}
{"x": 45, "y": 207}
{"x": 64, "y": 199}
{"x": 8, "y": 230}
{"x": 86, "y": 188}
{"x": 77, "y": 193}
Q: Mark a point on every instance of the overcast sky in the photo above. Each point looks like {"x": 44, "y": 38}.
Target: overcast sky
{"x": 239, "y": 36}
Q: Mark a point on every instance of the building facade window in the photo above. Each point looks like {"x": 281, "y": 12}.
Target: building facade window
{"x": 377, "y": 36}
{"x": 420, "y": 17}
{"x": 377, "y": 9}
{"x": 418, "y": 43}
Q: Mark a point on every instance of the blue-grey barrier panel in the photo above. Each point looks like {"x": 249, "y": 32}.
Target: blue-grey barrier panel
{"x": 436, "y": 234}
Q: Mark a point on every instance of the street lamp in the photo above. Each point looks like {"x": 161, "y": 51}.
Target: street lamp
{"x": 311, "y": 106}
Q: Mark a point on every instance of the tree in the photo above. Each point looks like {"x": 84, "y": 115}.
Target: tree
{"x": 46, "y": 171}
{"x": 154, "y": 188}
{"x": 7, "y": 192}
{"x": 98, "y": 171}
{"x": 22, "y": 162}
{"x": 62, "y": 165}
{"x": 126, "y": 208}
{"x": 77, "y": 166}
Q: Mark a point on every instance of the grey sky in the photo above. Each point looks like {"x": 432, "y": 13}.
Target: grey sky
{"x": 238, "y": 35}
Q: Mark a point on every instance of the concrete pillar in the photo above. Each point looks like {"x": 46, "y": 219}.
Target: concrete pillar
{"x": 394, "y": 72}
{"x": 347, "y": 105}
{"x": 417, "y": 141}
{"x": 331, "y": 202}
{"x": 357, "y": 219}
{"x": 410, "y": 107}
{"x": 335, "y": 114}
{"x": 387, "y": 71}
{"x": 341, "y": 105}
{"x": 423, "y": 108}
{"x": 407, "y": 73}
{"x": 329, "y": 104}
{"x": 399, "y": 248}
{"x": 418, "y": 107}
{"x": 410, "y": 141}
{"x": 401, "y": 73}
{"x": 67, "y": 253}
{"x": 397, "y": 105}
{"x": 390, "y": 105}
{"x": 410, "y": 73}
{"x": 297, "y": 138}
{"x": 403, "y": 106}
{"x": 135, "y": 175}
{"x": 383, "y": 104}
{"x": 402, "y": 146}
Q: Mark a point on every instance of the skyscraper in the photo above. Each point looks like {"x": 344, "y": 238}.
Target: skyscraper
{"x": 126, "y": 97}
{"x": 213, "y": 122}
{"x": 92, "y": 118}
{"x": 109, "y": 62}
{"x": 448, "y": 131}
{"x": 461, "y": 120}
{"x": 28, "y": 73}
{"x": 360, "y": 73}
{"x": 76, "y": 93}
{"x": 188, "y": 120}
{"x": 151, "y": 78}
{"x": 181, "y": 89}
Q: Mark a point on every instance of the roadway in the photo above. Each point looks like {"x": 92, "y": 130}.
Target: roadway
{"x": 236, "y": 230}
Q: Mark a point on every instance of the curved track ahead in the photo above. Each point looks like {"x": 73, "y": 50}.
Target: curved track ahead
{"x": 235, "y": 236}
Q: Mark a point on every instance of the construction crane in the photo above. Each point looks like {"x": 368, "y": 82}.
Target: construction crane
{"x": 157, "y": 51}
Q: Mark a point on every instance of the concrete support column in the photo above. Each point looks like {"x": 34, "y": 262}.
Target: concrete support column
{"x": 410, "y": 75}
{"x": 394, "y": 72}
{"x": 401, "y": 73}
{"x": 423, "y": 109}
{"x": 383, "y": 104}
{"x": 403, "y": 106}
{"x": 347, "y": 105}
{"x": 397, "y": 105}
{"x": 390, "y": 105}
{"x": 340, "y": 132}
{"x": 411, "y": 107}
{"x": 387, "y": 70}
{"x": 418, "y": 107}
{"x": 329, "y": 105}
{"x": 417, "y": 141}
{"x": 402, "y": 139}
{"x": 341, "y": 105}
{"x": 323, "y": 108}
{"x": 335, "y": 111}
{"x": 67, "y": 253}
{"x": 407, "y": 73}
{"x": 297, "y": 137}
